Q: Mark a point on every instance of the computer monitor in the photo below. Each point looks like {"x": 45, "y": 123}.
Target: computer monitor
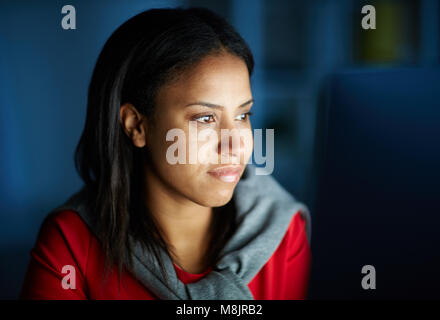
{"x": 378, "y": 187}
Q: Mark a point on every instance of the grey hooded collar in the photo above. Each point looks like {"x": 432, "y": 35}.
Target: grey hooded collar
{"x": 264, "y": 211}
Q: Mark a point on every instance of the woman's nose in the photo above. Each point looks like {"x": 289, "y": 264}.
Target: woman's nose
{"x": 231, "y": 145}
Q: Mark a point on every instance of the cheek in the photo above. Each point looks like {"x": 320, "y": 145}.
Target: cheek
{"x": 207, "y": 146}
{"x": 171, "y": 158}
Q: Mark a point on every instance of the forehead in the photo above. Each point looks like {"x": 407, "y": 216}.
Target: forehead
{"x": 221, "y": 79}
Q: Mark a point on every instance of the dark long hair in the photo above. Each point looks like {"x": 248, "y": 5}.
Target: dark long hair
{"x": 144, "y": 53}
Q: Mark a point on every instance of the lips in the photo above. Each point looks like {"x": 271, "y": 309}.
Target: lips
{"x": 228, "y": 174}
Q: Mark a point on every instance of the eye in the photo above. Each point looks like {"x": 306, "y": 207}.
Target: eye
{"x": 244, "y": 116}
{"x": 208, "y": 118}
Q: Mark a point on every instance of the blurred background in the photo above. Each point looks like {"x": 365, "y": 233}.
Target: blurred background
{"x": 45, "y": 71}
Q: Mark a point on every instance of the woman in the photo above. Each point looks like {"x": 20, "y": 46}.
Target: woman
{"x": 145, "y": 227}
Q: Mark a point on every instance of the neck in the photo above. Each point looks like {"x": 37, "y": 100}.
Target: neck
{"x": 184, "y": 224}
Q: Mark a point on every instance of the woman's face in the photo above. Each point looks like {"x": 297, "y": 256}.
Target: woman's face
{"x": 215, "y": 94}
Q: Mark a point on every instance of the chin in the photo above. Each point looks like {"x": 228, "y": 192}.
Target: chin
{"x": 217, "y": 198}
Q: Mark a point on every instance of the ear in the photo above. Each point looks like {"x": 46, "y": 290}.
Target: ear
{"x": 133, "y": 124}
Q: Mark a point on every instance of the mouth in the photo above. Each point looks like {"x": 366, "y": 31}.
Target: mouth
{"x": 228, "y": 174}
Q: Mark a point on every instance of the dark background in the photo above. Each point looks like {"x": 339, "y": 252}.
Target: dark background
{"x": 45, "y": 72}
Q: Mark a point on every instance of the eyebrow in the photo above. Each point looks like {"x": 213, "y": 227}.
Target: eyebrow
{"x": 216, "y": 106}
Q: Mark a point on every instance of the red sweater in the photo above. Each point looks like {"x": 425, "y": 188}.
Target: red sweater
{"x": 66, "y": 240}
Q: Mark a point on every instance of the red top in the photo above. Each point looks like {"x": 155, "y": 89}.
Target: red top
{"x": 66, "y": 240}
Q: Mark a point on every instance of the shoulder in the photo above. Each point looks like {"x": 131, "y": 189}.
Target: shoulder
{"x": 285, "y": 274}
{"x": 61, "y": 248}
{"x": 63, "y": 236}
{"x": 295, "y": 238}
{"x": 295, "y": 245}
{"x": 263, "y": 195}
{"x": 65, "y": 222}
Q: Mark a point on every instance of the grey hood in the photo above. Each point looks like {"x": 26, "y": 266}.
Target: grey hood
{"x": 264, "y": 211}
